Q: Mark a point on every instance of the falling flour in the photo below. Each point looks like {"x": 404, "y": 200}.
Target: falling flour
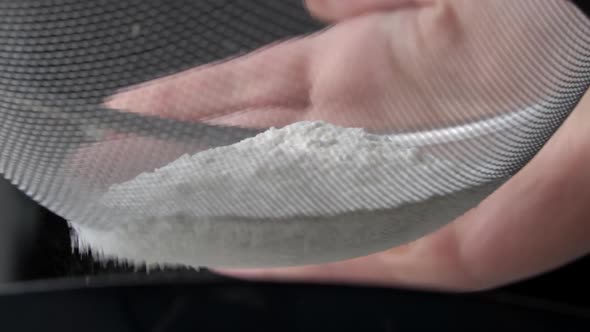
{"x": 305, "y": 171}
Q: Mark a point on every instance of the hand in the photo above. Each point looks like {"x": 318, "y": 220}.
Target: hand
{"x": 385, "y": 65}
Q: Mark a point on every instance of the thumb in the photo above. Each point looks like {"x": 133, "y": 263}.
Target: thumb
{"x": 338, "y": 10}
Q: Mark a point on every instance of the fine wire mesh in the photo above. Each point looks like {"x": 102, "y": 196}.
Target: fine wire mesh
{"x": 61, "y": 59}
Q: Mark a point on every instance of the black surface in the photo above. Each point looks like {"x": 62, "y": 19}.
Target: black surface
{"x": 237, "y": 306}
{"x": 569, "y": 284}
{"x": 584, "y": 5}
{"x": 19, "y": 221}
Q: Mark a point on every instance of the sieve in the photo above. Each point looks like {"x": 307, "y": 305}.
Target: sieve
{"x": 60, "y": 60}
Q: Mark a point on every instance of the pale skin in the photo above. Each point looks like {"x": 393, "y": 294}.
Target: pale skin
{"x": 537, "y": 221}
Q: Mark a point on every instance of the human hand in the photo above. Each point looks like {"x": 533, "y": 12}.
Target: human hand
{"x": 386, "y": 66}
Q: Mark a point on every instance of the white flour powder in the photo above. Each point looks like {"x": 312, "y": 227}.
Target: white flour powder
{"x": 305, "y": 169}
{"x": 289, "y": 195}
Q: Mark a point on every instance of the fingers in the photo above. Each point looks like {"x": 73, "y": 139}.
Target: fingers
{"x": 338, "y": 10}
{"x": 351, "y": 75}
{"x": 305, "y": 79}
{"x": 537, "y": 221}
{"x": 271, "y": 85}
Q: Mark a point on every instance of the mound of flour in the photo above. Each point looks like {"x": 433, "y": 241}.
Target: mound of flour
{"x": 305, "y": 169}
{"x": 307, "y": 193}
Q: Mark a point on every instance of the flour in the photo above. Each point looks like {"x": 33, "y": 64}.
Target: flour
{"x": 305, "y": 169}
{"x": 305, "y": 193}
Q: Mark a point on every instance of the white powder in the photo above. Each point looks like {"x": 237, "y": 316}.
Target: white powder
{"x": 305, "y": 169}
{"x": 299, "y": 176}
